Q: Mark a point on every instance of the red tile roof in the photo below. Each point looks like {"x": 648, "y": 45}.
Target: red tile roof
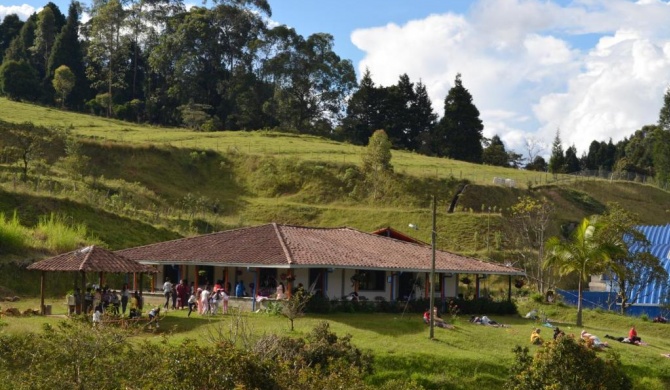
{"x": 286, "y": 246}
{"x": 91, "y": 259}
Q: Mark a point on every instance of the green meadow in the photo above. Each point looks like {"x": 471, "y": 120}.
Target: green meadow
{"x": 469, "y": 356}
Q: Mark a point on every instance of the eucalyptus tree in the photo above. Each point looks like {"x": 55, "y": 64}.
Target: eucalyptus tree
{"x": 310, "y": 81}
{"x": 67, "y": 51}
{"x": 583, "y": 254}
{"x": 45, "y": 36}
{"x": 104, "y": 44}
{"x": 203, "y": 48}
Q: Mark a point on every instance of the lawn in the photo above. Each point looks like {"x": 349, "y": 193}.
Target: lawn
{"x": 467, "y": 357}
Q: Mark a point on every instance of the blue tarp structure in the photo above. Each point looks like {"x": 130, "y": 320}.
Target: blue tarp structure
{"x": 653, "y": 296}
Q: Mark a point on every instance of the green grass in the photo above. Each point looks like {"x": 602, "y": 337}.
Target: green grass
{"x": 292, "y": 146}
{"x": 468, "y": 357}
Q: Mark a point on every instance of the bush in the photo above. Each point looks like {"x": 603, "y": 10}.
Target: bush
{"x": 537, "y": 297}
{"x": 318, "y": 304}
{"x": 13, "y": 236}
{"x": 566, "y": 364}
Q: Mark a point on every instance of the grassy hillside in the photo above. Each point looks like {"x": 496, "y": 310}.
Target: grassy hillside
{"x": 146, "y": 184}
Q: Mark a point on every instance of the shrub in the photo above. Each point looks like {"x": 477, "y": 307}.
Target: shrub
{"x": 537, "y": 297}
{"x": 58, "y": 236}
{"x": 13, "y": 236}
{"x": 318, "y": 304}
{"x": 566, "y": 364}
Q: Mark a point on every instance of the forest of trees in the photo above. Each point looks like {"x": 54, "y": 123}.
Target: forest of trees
{"x": 224, "y": 67}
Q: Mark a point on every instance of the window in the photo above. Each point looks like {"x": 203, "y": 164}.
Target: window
{"x": 372, "y": 280}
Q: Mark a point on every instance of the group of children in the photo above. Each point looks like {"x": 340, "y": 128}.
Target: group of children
{"x": 209, "y": 300}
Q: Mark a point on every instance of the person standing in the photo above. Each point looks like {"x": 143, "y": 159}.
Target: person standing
{"x": 125, "y": 297}
{"x": 204, "y": 301}
{"x": 167, "y": 290}
{"x": 280, "y": 291}
{"x": 173, "y": 294}
{"x": 240, "y": 290}
{"x": 182, "y": 293}
{"x": 192, "y": 301}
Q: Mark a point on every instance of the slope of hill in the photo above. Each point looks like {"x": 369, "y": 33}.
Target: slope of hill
{"x": 145, "y": 184}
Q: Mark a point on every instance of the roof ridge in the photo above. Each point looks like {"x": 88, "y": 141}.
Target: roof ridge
{"x": 82, "y": 265}
{"x": 282, "y": 242}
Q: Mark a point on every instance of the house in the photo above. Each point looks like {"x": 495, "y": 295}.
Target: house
{"x": 329, "y": 261}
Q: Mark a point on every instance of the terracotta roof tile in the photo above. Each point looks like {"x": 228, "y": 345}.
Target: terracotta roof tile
{"x": 90, "y": 259}
{"x": 274, "y": 245}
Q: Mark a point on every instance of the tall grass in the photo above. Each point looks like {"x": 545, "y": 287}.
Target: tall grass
{"x": 57, "y": 236}
{"x": 14, "y": 238}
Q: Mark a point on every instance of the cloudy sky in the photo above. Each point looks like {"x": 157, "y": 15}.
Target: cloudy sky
{"x": 595, "y": 69}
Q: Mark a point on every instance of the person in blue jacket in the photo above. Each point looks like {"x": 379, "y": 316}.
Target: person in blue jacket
{"x": 240, "y": 290}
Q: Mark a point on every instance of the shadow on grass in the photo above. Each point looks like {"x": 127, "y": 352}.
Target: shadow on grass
{"x": 379, "y": 323}
{"x": 433, "y": 372}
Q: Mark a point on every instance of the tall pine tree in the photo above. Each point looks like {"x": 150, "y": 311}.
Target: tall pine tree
{"x": 557, "y": 159}
{"x": 363, "y": 112}
{"x": 459, "y": 133}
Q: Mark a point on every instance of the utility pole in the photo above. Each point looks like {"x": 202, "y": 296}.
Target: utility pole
{"x": 432, "y": 271}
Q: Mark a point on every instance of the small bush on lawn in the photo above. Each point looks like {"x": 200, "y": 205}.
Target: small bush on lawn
{"x": 566, "y": 364}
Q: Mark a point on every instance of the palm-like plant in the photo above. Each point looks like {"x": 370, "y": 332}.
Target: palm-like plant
{"x": 583, "y": 254}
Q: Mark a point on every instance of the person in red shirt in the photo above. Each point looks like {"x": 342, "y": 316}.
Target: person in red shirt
{"x": 632, "y": 335}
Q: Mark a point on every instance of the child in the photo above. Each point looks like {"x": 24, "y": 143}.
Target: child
{"x": 191, "y": 303}
{"x": 97, "y": 316}
{"x": 153, "y": 316}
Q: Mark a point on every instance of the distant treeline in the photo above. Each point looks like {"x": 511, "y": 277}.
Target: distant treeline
{"x": 225, "y": 67}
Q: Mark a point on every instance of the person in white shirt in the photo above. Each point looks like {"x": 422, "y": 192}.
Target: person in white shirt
{"x": 97, "y": 317}
{"x": 204, "y": 301}
{"x": 167, "y": 290}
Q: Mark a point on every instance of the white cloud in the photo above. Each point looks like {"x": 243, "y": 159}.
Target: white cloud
{"x": 23, "y": 11}
{"x": 527, "y": 59}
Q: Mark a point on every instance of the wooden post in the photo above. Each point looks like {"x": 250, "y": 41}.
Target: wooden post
{"x": 83, "y": 293}
{"x": 42, "y": 308}
{"x": 509, "y": 288}
{"x": 134, "y": 281}
{"x": 225, "y": 280}
{"x": 477, "y": 286}
{"x": 100, "y": 280}
{"x": 196, "y": 278}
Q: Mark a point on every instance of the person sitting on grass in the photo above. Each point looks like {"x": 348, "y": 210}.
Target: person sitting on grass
{"x": 593, "y": 340}
{"x": 632, "y": 335}
{"x": 558, "y": 333}
{"x": 439, "y": 321}
{"x": 535, "y": 338}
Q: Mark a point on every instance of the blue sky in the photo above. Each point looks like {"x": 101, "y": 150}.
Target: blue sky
{"x": 593, "y": 69}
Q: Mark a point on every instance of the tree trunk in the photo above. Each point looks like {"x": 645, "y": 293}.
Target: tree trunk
{"x": 579, "y": 302}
